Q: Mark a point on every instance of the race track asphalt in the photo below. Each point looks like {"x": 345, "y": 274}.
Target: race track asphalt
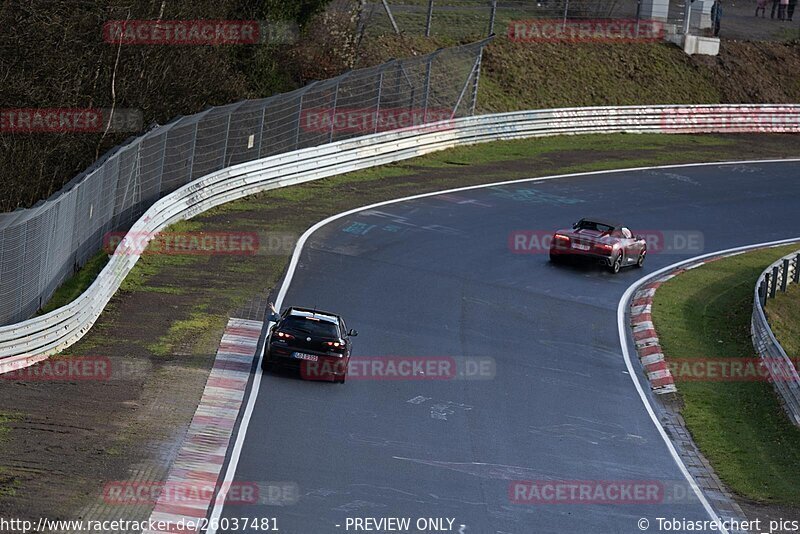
{"x": 435, "y": 278}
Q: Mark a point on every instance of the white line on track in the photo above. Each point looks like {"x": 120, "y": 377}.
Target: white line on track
{"x": 230, "y": 472}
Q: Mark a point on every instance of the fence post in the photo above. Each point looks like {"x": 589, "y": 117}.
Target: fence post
{"x": 194, "y": 144}
{"x": 430, "y": 19}
{"x": 261, "y": 130}
{"x": 391, "y": 17}
{"x": 378, "y": 108}
{"x": 797, "y": 269}
{"x": 299, "y": 120}
{"x": 688, "y": 16}
{"x": 477, "y": 71}
{"x": 774, "y": 287}
{"x": 426, "y": 90}
{"x": 785, "y": 275}
{"x": 227, "y": 137}
{"x": 163, "y": 159}
{"x": 333, "y": 112}
{"x": 492, "y": 16}
{"x": 762, "y": 292}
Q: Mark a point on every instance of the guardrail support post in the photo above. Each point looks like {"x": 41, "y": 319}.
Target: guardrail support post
{"x": 429, "y": 20}
{"x": 762, "y": 293}
{"x": 774, "y": 287}
{"x": 785, "y": 275}
{"x": 492, "y": 17}
{"x": 797, "y": 269}
{"x": 766, "y": 287}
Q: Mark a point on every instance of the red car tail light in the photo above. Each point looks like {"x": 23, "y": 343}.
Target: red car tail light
{"x": 561, "y": 237}
{"x": 605, "y": 247}
{"x": 335, "y": 345}
{"x": 284, "y": 336}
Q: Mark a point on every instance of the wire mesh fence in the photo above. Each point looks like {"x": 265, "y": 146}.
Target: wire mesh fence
{"x": 42, "y": 246}
{"x": 464, "y": 19}
{"x": 461, "y": 19}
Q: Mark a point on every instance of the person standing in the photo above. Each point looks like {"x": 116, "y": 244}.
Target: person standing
{"x": 774, "y": 8}
{"x": 716, "y": 16}
{"x": 790, "y": 9}
{"x": 762, "y": 6}
{"x": 782, "y": 9}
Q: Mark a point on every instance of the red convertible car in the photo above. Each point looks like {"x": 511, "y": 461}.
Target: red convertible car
{"x": 608, "y": 243}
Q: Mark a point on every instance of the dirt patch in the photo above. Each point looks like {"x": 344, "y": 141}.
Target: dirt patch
{"x": 66, "y": 440}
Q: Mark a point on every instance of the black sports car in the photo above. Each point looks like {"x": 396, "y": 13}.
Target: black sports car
{"x": 317, "y": 343}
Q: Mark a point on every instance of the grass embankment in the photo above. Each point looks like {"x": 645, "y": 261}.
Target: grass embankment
{"x": 739, "y": 426}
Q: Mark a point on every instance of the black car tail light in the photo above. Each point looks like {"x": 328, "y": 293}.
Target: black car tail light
{"x": 337, "y": 346}
{"x": 284, "y": 336}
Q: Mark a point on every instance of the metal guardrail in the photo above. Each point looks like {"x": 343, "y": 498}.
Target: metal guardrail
{"x": 782, "y": 371}
{"x": 29, "y": 341}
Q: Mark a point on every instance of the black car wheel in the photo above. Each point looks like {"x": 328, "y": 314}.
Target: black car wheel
{"x": 640, "y": 261}
{"x": 616, "y": 265}
{"x": 555, "y": 258}
{"x": 341, "y": 380}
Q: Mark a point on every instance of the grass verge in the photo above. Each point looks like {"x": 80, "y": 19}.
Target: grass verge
{"x": 76, "y": 284}
{"x": 739, "y": 426}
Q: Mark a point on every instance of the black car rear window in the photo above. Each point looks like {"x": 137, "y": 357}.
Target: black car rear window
{"x": 599, "y": 227}
{"x": 312, "y": 327}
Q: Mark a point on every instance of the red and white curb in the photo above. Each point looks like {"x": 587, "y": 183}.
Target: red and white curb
{"x": 200, "y": 459}
{"x": 644, "y": 334}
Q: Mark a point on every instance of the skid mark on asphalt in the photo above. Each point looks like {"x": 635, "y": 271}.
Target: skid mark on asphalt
{"x": 486, "y": 470}
{"x": 462, "y": 200}
{"x": 673, "y": 176}
{"x": 382, "y": 442}
{"x": 356, "y": 506}
{"x": 404, "y": 222}
{"x": 441, "y": 409}
{"x": 588, "y": 431}
{"x": 387, "y": 494}
{"x": 741, "y": 169}
{"x": 533, "y": 196}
